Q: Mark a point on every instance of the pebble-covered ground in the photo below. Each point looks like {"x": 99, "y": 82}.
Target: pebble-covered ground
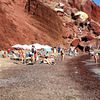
{"x": 67, "y": 80}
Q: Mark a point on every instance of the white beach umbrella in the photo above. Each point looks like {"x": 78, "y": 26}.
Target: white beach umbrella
{"x": 17, "y": 46}
{"x": 47, "y": 47}
{"x": 27, "y": 47}
{"x": 38, "y": 46}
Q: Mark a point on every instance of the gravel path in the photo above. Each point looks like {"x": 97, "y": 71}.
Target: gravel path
{"x": 47, "y": 82}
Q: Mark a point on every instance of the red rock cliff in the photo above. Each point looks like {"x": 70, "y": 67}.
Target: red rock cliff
{"x": 17, "y": 25}
{"x": 39, "y": 23}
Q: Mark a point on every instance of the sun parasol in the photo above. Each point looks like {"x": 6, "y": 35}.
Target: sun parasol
{"x": 17, "y": 46}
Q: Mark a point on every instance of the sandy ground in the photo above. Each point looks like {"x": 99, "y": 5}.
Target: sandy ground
{"x": 63, "y": 81}
{"x": 6, "y": 63}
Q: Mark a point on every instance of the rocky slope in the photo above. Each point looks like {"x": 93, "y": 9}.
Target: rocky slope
{"x": 39, "y": 22}
{"x": 91, "y": 9}
{"x": 17, "y": 25}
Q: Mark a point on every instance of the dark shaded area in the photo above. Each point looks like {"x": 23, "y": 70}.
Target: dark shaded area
{"x": 80, "y": 47}
{"x": 74, "y": 17}
{"x": 89, "y": 83}
{"x": 87, "y": 38}
{"x": 84, "y": 39}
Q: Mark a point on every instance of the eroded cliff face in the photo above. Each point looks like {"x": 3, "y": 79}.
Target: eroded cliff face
{"x": 22, "y": 24}
{"x": 17, "y": 25}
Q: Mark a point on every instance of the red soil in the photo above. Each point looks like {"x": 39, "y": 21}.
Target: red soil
{"x": 41, "y": 24}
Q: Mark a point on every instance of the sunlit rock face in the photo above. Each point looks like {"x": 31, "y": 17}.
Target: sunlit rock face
{"x": 18, "y": 26}
{"x": 89, "y": 7}
{"x": 93, "y": 10}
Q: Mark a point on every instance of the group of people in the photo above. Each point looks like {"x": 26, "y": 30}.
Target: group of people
{"x": 50, "y": 58}
{"x": 35, "y": 55}
{"x": 44, "y": 56}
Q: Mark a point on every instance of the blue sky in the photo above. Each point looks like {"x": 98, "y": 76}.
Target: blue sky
{"x": 97, "y": 2}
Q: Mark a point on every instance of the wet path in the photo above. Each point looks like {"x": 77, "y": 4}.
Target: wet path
{"x": 84, "y": 71}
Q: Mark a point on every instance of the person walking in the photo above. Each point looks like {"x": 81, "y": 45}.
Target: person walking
{"x": 62, "y": 55}
{"x": 22, "y": 55}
